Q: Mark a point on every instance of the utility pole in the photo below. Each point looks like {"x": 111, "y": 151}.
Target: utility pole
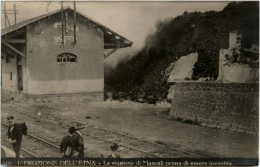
{"x": 6, "y": 12}
{"x": 75, "y": 13}
{"x": 14, "y": 13}
{"x": 62, "y": 25}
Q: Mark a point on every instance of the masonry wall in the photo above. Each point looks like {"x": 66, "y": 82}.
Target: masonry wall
{"x": 72, "y": 97}
{"x": 6, "y": 70}
{"x": 232, "y": 106}
{"x": 46, "y": 76}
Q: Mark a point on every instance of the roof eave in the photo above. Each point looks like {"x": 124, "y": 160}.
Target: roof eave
{"x": 105, "y": 29}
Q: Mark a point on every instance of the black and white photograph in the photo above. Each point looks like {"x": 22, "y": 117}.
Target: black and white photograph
{"x": 140, "y": 83}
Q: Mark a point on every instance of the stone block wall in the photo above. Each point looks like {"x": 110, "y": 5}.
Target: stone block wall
{"x": 232, "y": 106}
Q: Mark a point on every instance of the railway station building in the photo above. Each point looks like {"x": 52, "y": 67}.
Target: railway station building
{"x": 59, "y": 53}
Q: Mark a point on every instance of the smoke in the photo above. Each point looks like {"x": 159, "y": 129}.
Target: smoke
{"x": 124, "y": 55}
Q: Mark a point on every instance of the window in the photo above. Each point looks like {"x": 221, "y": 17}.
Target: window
{"x": 11, "y": 76}
{"x": 66, "y": 57}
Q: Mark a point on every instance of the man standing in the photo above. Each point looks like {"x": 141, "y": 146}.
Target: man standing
{"x": 15, "y": 133}
{"x": 65, "y": 146}
{"x": 77, "y": 143}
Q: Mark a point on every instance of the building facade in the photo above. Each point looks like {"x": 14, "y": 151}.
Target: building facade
{"x": 41, "y": 57}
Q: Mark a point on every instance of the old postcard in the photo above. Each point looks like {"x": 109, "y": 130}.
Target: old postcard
{"x": 159, "y": 83}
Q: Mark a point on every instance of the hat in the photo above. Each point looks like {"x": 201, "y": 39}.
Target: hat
{"x": 72, "y": 129}
{"x": 80, "y": 126}
{"x": 10, "y": 118}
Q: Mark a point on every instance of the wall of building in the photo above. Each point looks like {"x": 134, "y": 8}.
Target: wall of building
{"x": 234, "y": 39}
{"x": 235, "y": 72}
{"x": 47, "y": 76}
{"x": 7, "y": 68}
{"x": 72, "y": 97}
{"x": 6, "y": 95}
{"x": 25, "y": 74}
{"x": 232, "y": 106}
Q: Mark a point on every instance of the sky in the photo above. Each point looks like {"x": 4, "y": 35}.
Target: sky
{"x": 133, "y": 20}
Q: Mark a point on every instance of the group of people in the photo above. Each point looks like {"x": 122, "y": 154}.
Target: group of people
{"x": 72, "y": 145}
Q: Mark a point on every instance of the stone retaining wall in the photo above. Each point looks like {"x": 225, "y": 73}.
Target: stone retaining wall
{"x": 232, "y": 106}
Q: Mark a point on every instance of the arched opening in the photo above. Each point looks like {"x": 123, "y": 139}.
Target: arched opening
{"x": 66, "y": 57}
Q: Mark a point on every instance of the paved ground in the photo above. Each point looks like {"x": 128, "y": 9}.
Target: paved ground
{"x": 147, "y": 122}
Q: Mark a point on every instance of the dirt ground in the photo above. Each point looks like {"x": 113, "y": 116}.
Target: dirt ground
{"x": 147, "y": 122}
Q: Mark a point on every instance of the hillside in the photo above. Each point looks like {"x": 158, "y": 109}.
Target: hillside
{"x": 204, "y": 33}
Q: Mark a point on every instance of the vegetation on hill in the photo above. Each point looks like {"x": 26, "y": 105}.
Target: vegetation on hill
{"x": 205, "y": 33}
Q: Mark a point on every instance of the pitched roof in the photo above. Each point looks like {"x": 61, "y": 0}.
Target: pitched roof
{"x": 127, "y": 43}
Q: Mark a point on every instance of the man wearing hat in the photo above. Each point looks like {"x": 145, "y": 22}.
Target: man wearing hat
{"x": 15, "y": 133}
{"x": 77, "y": 142}
{"x": 65, "y": 146}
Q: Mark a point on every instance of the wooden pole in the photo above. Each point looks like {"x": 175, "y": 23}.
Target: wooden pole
{"x": 14, "y": 13}
{"x": 75, "y": 40}
{"x": 8, "y": 21}
{"x": 62, "y": 25}
{"x": 6, "y": 17}
{"x": 5, "y": 13}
